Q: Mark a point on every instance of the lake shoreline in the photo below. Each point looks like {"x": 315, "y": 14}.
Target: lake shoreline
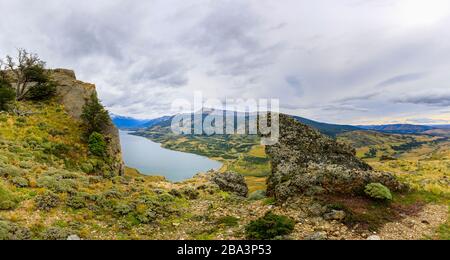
{"x": 150, "y": 158}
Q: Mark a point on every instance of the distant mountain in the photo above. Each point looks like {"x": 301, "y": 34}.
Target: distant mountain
{"x": 441, "y": 126}
{"x": 328, "y": 129}
{"x": 399, "y": 128}
{"x": 123, "y": 122}
{"x": 161, "y": 121}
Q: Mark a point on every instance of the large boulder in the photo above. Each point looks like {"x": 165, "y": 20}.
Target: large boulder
{"x": 74, "y": 94}
{"x": 231, "y": 182}
{"x": 307, "y": 162}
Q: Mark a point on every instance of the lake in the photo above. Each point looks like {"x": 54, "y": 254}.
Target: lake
{"x": 151, "y": 159}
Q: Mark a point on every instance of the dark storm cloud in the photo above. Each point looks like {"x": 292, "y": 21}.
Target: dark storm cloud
{"x": 431, "y": 99}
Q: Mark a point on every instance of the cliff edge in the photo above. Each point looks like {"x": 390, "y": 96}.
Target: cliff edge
{"x": 73, "y": 95}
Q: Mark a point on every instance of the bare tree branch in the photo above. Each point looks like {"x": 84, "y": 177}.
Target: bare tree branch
{"x": 25, "y": 62}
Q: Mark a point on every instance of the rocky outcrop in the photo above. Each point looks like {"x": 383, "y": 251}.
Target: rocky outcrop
{"x": 74, "y": 94}
{"x": 306, "y": 162}
{"x": 231, "y": 182}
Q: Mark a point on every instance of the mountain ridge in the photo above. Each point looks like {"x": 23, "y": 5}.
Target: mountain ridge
{"x": 123, "y": 122}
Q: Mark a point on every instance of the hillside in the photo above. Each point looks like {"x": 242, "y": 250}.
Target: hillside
{"x": 399, "y": 128}
{"x": 327, "y": 129}
{"x": 53, "y": 187}
{"x": 421, "y": 159}
{"x": 47, "y": 191}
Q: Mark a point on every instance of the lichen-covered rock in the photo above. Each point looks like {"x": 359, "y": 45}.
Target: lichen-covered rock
{"x": 231, "y": 182}
{"x": 307, "y": 162}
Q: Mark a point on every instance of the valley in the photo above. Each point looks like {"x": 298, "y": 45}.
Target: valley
{"x": 421, "y": 160}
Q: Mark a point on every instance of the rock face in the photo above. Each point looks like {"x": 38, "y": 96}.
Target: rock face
{"x": 306, "y": 162}
{"x": 231, "y": 182}
{"x": 73, "y": 94}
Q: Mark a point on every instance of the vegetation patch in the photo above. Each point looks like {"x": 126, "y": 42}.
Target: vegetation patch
{"x": 8, "y": 200}
{"x": 378, "y": 191}
{"x": 269, "y": 227}
{"x": 46, "y": 201}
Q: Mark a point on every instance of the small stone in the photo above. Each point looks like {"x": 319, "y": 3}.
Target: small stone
{"x": 337, "y": 215}
{"x": 73, "y": 237}
{"x": 317, "y": 236}
{"x": 374, "y": 238}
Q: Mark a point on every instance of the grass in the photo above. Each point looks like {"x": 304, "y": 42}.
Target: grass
{"x": 425, "y": 167}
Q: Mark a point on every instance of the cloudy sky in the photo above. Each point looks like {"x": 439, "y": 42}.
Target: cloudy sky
{"x": 342, "y": 61}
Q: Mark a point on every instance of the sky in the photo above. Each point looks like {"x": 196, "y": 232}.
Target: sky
{"x": 340, "y": 61}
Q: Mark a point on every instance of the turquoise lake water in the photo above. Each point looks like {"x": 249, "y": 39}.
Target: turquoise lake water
{"x": 151, "y": 159}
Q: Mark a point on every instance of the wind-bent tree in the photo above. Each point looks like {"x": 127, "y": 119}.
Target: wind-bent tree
{"x": 94, "y": 116}
{"x": 30, "y": 76}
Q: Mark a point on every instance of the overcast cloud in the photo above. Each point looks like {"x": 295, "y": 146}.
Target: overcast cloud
{"x": 342, "y": 61}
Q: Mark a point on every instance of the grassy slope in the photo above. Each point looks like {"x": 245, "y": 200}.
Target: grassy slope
{"x": 425, "y": 167}
{"x": 45, "y": 152}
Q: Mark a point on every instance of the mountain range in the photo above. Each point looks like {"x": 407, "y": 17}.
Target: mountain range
{"x": 123, "y": 122}
{"x": 329, "y": 129}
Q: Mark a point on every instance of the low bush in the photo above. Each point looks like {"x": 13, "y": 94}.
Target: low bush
{"x": 11, "y": 231}
{"x": 378, "y": 191}
{"x": 20, "y": 182}
{"x": 228, "y": 221}
{"x": 269, "y": 227}
{"x": 76, "y": 202}
{"x": 190, "y": 193}
{"x": 57, "y": 183}
{"x": 257, "y": 195}
{"x": 56, "y": 233}
{"x": 7, "y": 199}
{"x": 46, "y": 201}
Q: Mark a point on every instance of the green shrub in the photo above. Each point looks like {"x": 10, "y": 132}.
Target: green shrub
{"x": 7, "y": 94}
{"x": 228, "y": 221}
{"x": 76, "y": 202}
{"x": 7, "y": 199}
{"x": 56, "y": 233}
{"x": 378, "y": 191}
{"x": 58, "y": 183}
{"x": 97, "y": 144}
{"x": 20, "y": 182}
{"x": 190, "y": 193}
{"x": 123, "y": 209}
{"x": 57, "y": 149}
{"x": 94, "y": 116}
{"x": 10, "y": 171}
{"x": 146, "y": 217}
{"x": 46, "y": 201}
{"x": 42, "y": 91}
{"x": 11, "y": 231}
{"x": 257, "y": 195}
{"x": 270, "y": 226}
